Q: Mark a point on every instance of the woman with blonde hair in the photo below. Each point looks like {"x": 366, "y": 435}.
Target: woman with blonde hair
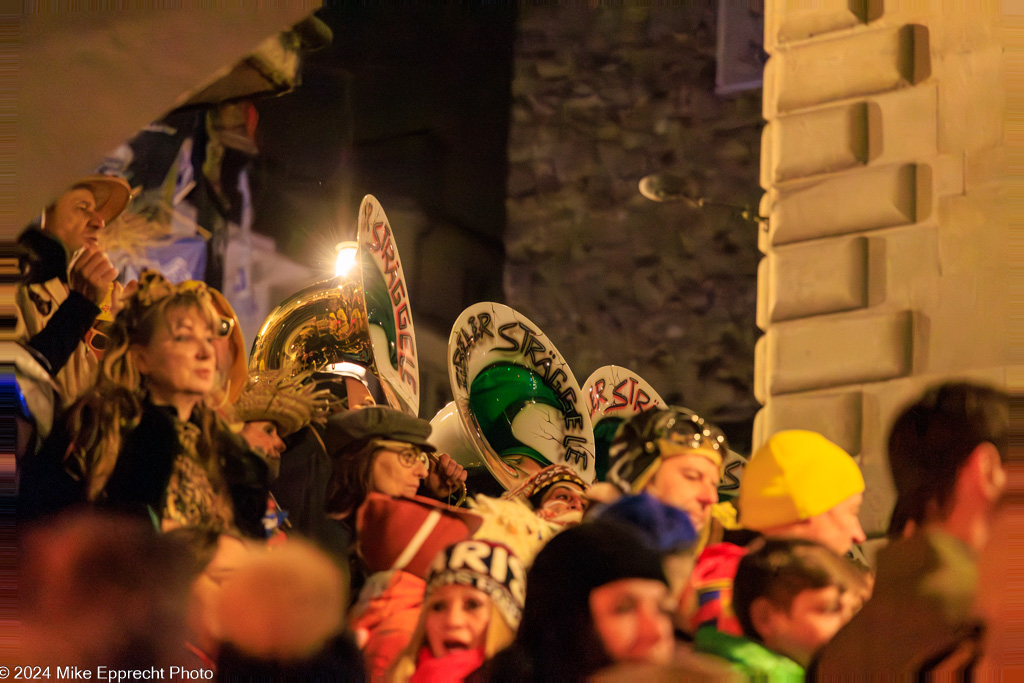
{"x": 472, "y": 606}
{"x": 143, "y": 439}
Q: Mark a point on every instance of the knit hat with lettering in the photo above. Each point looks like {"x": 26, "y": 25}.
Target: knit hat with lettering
{"x": 794, "y": 476}
{"x": 489, "y": 567}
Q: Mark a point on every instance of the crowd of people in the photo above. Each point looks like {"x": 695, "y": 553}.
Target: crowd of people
{"x": 177, "y": 510}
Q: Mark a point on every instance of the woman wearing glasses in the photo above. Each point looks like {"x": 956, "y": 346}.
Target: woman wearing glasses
{"x": 381, "y": 450}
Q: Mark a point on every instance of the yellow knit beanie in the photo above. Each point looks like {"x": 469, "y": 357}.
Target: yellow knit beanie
{"x": 795, "y": 475}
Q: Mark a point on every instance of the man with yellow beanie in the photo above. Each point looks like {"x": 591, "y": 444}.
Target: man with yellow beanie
{"x": 801, "y": 485}
{"x": 797, "y": 485}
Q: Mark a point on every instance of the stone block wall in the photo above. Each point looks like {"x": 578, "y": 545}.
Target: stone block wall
{"x": 602, "y": 97}
{"x": 884, "y": 264}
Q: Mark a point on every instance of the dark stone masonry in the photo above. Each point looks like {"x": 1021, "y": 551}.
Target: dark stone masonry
{"x": 601, "y": 98}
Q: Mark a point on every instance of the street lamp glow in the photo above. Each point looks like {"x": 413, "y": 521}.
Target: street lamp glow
{"x": 346, "y": 258}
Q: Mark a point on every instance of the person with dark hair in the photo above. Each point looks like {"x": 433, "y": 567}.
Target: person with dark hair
{"x": 930, "y": 443}
{"x": 596, "y": 595}
{"x": 382, "y": 450}
{"x": 789, "y": 601}
{"x": 946, "y": 454}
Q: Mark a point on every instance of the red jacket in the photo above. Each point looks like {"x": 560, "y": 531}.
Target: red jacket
{"x": 386, "y": 614}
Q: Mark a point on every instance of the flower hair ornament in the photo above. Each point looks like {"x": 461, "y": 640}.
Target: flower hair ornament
{"x": 153, "y": 287}
{"x": 290, "y": 401}
{"x": 156, "y": 290}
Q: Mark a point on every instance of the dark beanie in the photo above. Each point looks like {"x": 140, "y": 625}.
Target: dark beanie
{"x": 557, "y": 630}
{"x": 583, "y": 558}
{"x": 591, "y": 555}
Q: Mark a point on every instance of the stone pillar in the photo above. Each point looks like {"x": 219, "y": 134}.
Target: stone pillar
{"x": 885, "y": 265}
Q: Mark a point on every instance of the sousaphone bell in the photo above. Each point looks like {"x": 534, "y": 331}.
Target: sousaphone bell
{"x": 361, "y": 318}
{"x": 614, "y": 395}
{"x": 518, "y": 407}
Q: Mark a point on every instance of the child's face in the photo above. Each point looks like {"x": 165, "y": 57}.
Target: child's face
{"x": 457, "y": 619}
{"x": 814, "y": 617}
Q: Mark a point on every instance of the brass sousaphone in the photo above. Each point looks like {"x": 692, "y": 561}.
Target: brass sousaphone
{"x": 614, "y": 395}
{"x": 361, "y": 317}
{"x": 517, "y": 406}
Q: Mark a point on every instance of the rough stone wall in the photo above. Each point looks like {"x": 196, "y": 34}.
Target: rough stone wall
{"x": 885, "y": 264}
{"x": 601, "y": 98}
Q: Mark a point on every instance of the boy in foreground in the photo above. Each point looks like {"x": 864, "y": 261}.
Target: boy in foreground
{"x": 790, "y": 597}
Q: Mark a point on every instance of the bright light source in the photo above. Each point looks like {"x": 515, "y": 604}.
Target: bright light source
{"x": 346, "y": 258}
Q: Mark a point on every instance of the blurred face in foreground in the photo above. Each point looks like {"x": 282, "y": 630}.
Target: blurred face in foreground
{"x": 231, "y": 553}
{"x": 631, "y": 616}
{"x": 456, "y": 619}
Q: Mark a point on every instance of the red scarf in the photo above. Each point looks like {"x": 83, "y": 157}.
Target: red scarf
{"x": 454, "y": 667}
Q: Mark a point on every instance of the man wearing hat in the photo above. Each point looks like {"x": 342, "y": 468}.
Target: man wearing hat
{"x": 674, "y": 455}
{"x": 57, "y": 304}
{"x": 555, "y": 494}
{"x": 797, "y": 485}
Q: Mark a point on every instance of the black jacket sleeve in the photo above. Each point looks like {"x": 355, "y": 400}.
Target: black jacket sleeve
{"x": 44, "y": 487}
{"x": 64, "y": 331}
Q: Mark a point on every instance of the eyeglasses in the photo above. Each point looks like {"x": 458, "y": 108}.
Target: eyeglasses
{"x": 407, "y": 456}
{"x": 410, "y": 456}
